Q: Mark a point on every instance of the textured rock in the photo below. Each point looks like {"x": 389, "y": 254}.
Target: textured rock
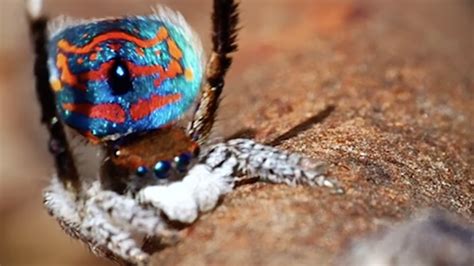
{"x": 398, "y": 83}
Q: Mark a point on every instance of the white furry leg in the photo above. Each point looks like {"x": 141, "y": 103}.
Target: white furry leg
{"x": 67, "y": 207}
{"x": 62, "y": 205}
{"x": 103, "y": 233}
{"x": 111, "y": 219}
{"x": 127, "y": 213}
{"x": 274, "y": 165}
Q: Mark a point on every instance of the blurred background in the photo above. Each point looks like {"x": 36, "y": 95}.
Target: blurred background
{"x": 28, "y": 236}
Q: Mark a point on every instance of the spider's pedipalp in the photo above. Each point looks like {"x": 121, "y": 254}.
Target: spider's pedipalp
{"x": 199, "y": 191}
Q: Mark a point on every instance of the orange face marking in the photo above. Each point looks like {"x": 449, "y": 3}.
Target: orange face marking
{"x": 80, "y": 60}
{"x": 67, "y": 47}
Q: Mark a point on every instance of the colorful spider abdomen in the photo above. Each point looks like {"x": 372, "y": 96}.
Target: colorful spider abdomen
{"x": 115, "y": 77}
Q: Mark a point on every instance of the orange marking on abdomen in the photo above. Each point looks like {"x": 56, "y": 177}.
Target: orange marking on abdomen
{"x": 144, "y": 108}
{"x": 66, "y": 75}
{"x": 174, "y": 50}
{"x": 174, "y": 68}
{"x": 108, "y": 111}
{"x": 188, "y": 74}
{"x": 65, "y": 46}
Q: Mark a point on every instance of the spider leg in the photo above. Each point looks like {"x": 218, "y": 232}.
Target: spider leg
{"x": 106, "y": 221}
{"x": 127, "y": 213}
{"x": 273, "y": 165}
{"x": 111, "y": 219}
{"x": 58, "y": 144}
{"x": 102, "y": 233}
{"x": 219, "y": 170}
{"x": 63, "y": 206}
{"x": 225, "y": 18}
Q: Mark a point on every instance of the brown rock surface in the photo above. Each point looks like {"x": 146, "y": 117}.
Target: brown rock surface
{"x": 398, "y": 79}
{"x": 398, "y": 138}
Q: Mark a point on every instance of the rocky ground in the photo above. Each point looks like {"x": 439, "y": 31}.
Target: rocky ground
{"x": 381, "y": 90}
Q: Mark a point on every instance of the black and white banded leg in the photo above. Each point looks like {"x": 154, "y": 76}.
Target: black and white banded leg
{"x": 107, "y": 221}
{"x": 111, "y": 220}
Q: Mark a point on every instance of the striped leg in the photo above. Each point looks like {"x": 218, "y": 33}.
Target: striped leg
{"x": 271, "y": 164}
{"x": 225, "y": 18}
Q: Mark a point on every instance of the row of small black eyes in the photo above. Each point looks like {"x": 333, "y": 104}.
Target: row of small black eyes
{"x": 162, "y": 168}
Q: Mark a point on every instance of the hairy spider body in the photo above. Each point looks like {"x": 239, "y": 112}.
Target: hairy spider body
{"x": 125, "y": 84}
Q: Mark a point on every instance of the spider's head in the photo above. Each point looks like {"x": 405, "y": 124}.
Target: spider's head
{"x": 160, "y": 156}
{"x": 117, "y": 77}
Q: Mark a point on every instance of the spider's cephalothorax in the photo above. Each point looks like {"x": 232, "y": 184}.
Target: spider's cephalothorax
{"x": 155, "y": 157}
{"x": 125, "y": 84}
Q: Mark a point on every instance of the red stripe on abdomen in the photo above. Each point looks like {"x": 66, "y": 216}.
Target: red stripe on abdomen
{"x": 144, "y": 108}
{"x": 108, "y": 111}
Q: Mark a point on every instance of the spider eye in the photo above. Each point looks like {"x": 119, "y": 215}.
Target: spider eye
{"x": 182, "y": 161}
{"x": 119, "y": 78}
{"x": 142, "y": 170}
{"x": 161, "y": 169}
